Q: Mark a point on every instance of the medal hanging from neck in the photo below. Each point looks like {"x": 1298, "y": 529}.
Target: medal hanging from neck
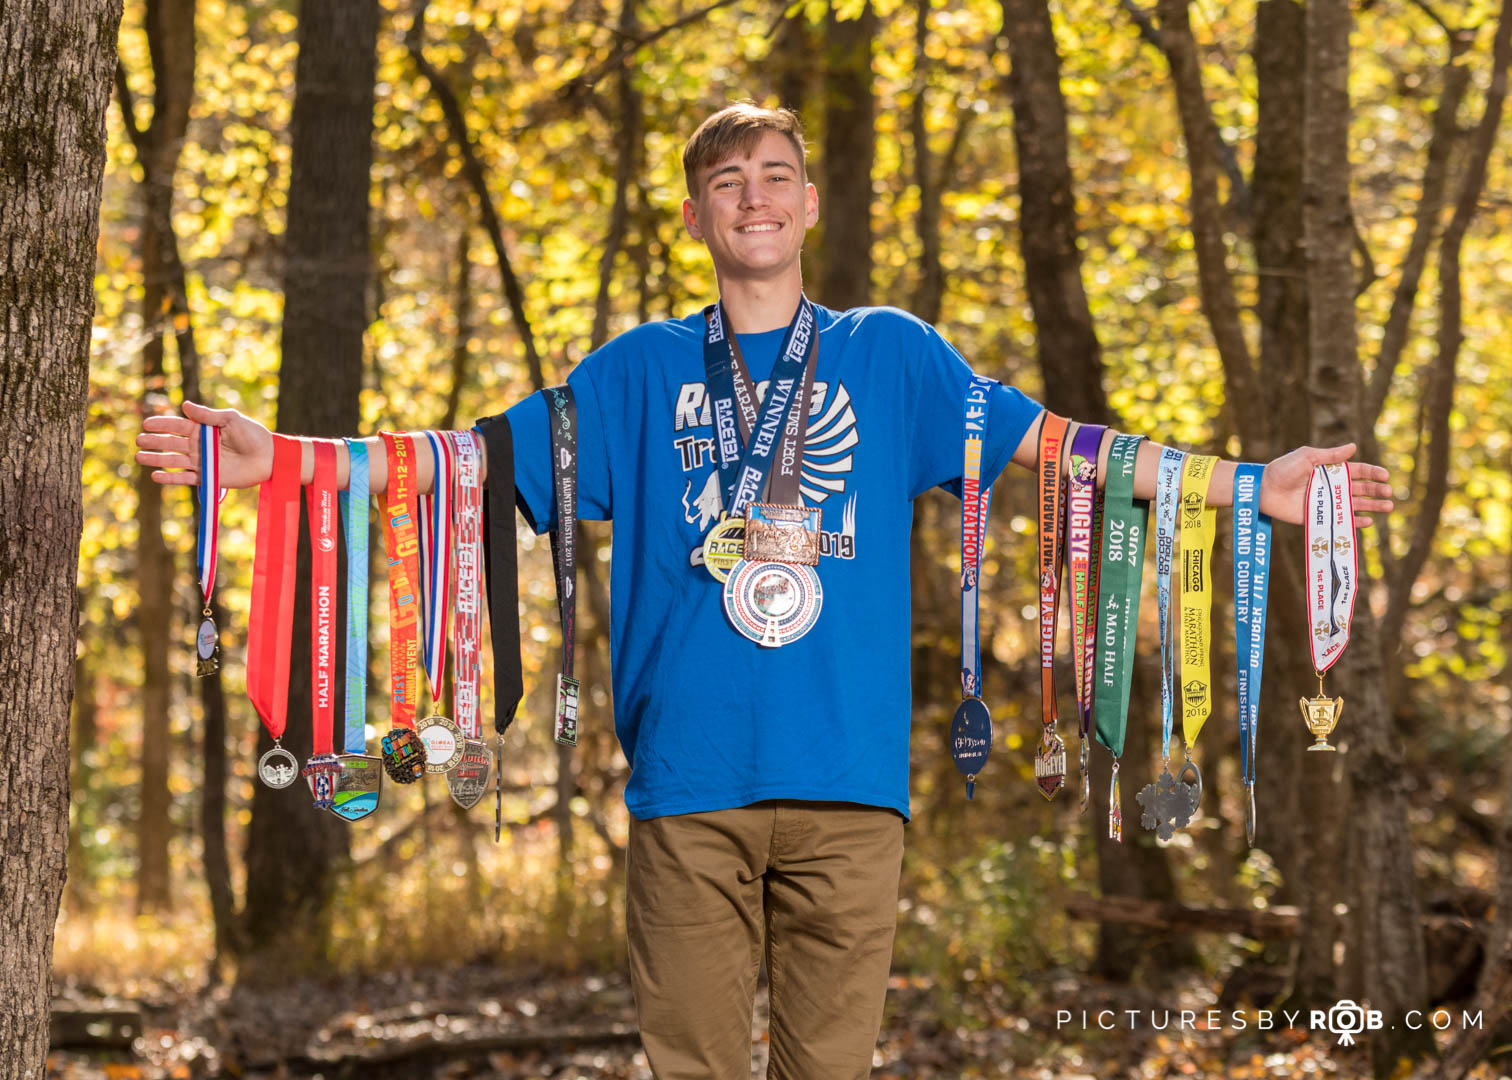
{"x": 1330, "y": 589}
{"x": 1252, "y": 535}
{"x": 320, "y": 501}
{"x": 1122, "y": 566}
{"x": 501, "y": 575}
{"x": 403, "y": 753}
{"x": 971, "y": 727}
{"x": 1084, "y": 513}
{"x": 561, "y": 411}
{"x": 359, "y": 775}
{"x": 270, "y": 623}
{"x": 468, "y": 779}
{"x": 772, "y": 595}
{"x": 1167, "y": 805}
{"x": 439, "y": 735}
{"x": 207, "y": 548}
{"x": 1050, "y": 761}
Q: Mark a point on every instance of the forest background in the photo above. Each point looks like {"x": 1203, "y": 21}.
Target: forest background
{"x": 1235, "y": 227}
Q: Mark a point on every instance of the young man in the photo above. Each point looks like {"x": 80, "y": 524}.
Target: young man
{"x": 769, "y": 785}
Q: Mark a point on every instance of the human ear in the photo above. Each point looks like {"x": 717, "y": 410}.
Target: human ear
{"x": 810, "y": 206}
{"x": 690, "y": 218}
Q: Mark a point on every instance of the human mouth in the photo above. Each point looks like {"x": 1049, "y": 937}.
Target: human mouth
{"x": 761, "y": 227}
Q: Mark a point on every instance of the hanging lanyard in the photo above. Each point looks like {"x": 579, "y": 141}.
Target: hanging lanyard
{"x": 354, "y": 521}
{"x": 270, "y": 622}
{"x": 562, "y": 417}
{"x": 971, "y": 728}
{"x": 467, "y": 781}
{"x": 1199, "y": 527}
{"x": 207, "y": 548}
{"x": 1331, "y": 574}
{"x": 1252, "y": 535}
{"x": 1050, "y": 761}
{"x": 320, "y": 502}
{"x": 442, "y": 737}
{"x": 502, "y": 580}
{"x": 403, "y": 754}
{"x": 1125, "y": 524}
{"x": 1084, "y": 512}
{"x": 743, "y": 474}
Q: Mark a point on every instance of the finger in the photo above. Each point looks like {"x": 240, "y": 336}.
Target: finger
{"x": 1369, "y": 490}
{"x": 154, "y": 459}
{"x": 202, "y": 415}
{"x": 1361, "y": 470}
{"x": 1373, "y": 506}
{"x": 1331, "y": 455}
{"x": 175, "y": 444}
{"x": 170, "y": 425}
{"x": 183, "y": 479}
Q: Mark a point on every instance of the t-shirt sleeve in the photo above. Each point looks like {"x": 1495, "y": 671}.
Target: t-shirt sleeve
{"x": 528, "y": 423}
{"x": 939, "y": 403}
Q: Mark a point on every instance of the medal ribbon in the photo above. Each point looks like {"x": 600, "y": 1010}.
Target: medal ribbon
{"x": 467, "y": 627}
{"x": 976, "y": 500}
{"x": 743, "y": 474}
{"x": 402, "y": 544}
{"x": 207, "y": 537}
{"x": 1051, "y": 437}
{"x": 501, "y": 570}
{"x": 1199, "y": 528}
{"x": 1084, "y": 511}
{"x": 562, "y": 415}
{"x": 270, "y": 622}
{"x": 354, "y": 521}
{"x": 1252, "y": 535}
{"x": 320, "y": 502}
{"x": 436, "y": 543}
{"x": 1125, "y": 525}
{"x": 1331, "y": 565}
{"x": 1167, "y": 494}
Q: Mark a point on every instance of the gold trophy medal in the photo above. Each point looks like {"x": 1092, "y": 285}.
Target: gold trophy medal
{"x": 1321, "y": 715}
{"x": 724, "y": 546}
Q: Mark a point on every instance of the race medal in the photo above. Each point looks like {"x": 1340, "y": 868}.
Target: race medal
{"x": 1331, "y": 570}
{"x": 971, "y": 740}
{"x": 468, "y": 779}
{"x": 723, "y": 547}
{"x": 277, "y": 768}
{"x": 206, "y": 547}
{"x": 1050, "y": 761}
{"x": 1160, "y": 800}
{"x": 320, "y": 772}
{"x": 403, "y": 755}
{"x": 1169, "y": 803}
{"x": 1050, "y": 764}
{"x": 359, "y": 782}
{"x": 207, "y": 646}
{"x": 442, "y": 740}
{"x": 773, "y": 603}
{"x": 565, "y": 729}
{"x": 778, "y": 533}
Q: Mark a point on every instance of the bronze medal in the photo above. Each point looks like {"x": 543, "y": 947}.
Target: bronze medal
{"x": 780, "y": 533}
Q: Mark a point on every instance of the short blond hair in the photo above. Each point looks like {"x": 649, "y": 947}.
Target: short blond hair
{"x": 736, "y": 129}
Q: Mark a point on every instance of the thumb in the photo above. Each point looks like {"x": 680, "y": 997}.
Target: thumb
{"x": 202, "y": 414}
{"x": 1332, "y": 455}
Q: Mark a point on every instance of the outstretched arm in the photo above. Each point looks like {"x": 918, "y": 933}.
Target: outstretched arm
{"x": 1283, "y": 488}
{"x": 169, "y": 445}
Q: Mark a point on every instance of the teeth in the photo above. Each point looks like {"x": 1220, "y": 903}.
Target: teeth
{"x": 758, "y": 228}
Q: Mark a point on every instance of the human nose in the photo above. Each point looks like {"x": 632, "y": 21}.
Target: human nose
{"x": 752, "y": 196}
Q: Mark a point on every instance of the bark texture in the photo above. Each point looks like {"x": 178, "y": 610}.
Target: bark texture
{"x": 293, "y": 855}
{"x": 850, "y": 145}
{"x": 56, "y": 59}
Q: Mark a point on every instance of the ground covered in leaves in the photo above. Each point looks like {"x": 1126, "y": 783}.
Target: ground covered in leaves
{"x": 478, "y": 1022}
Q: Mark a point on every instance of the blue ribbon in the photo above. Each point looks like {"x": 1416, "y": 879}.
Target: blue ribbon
{"x": 354, "y": 520}
{"x": 743, "y": 475}
{"x": 1252, "y": 535}
{"x": 1167, "y": 496}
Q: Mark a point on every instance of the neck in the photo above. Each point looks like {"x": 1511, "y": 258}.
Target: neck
{"x": 753, "y": 306}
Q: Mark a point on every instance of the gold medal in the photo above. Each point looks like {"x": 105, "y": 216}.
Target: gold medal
{"x": 724, "y": 546}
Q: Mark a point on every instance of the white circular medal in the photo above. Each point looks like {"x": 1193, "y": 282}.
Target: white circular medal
{"x": 773, "y": 603}
{"x": 277, "y": 768}
{"x": 442, "y": 740}
{"x": 204, "y": 641}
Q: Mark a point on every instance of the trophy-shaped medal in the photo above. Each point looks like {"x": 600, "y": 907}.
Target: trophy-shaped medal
{"x": 1321, "y": 715}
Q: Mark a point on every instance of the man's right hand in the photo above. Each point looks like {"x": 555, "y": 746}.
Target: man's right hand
{"x": 171, "y": 442}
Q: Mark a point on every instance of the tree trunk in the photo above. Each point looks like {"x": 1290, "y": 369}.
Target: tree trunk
{"x": 293, "y": 853}
{"x": 1069, "y": 353}
{"x": 86, "y": 711}
{"x": 850, "y": 145}
{"x": 56, "y": 59}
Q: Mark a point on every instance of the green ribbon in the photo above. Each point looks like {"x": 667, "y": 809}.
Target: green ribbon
{"x": 1125, "y": 523}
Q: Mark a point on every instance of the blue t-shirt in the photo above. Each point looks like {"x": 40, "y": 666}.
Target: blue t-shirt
{"x": 707, "y": 718}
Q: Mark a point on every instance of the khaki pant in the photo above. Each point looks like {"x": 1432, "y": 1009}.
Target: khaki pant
{"x": 820, "y": 880}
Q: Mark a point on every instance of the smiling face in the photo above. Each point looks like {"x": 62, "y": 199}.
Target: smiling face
{"x": 752, "y": 208}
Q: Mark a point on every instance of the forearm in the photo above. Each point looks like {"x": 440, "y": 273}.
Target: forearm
{"x": 377, "y": 457}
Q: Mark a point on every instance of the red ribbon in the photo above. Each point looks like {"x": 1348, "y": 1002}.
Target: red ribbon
{"x": 402, "y": 543}
{"x": 320, "y": 500}
{"x": 270, "y": 623}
